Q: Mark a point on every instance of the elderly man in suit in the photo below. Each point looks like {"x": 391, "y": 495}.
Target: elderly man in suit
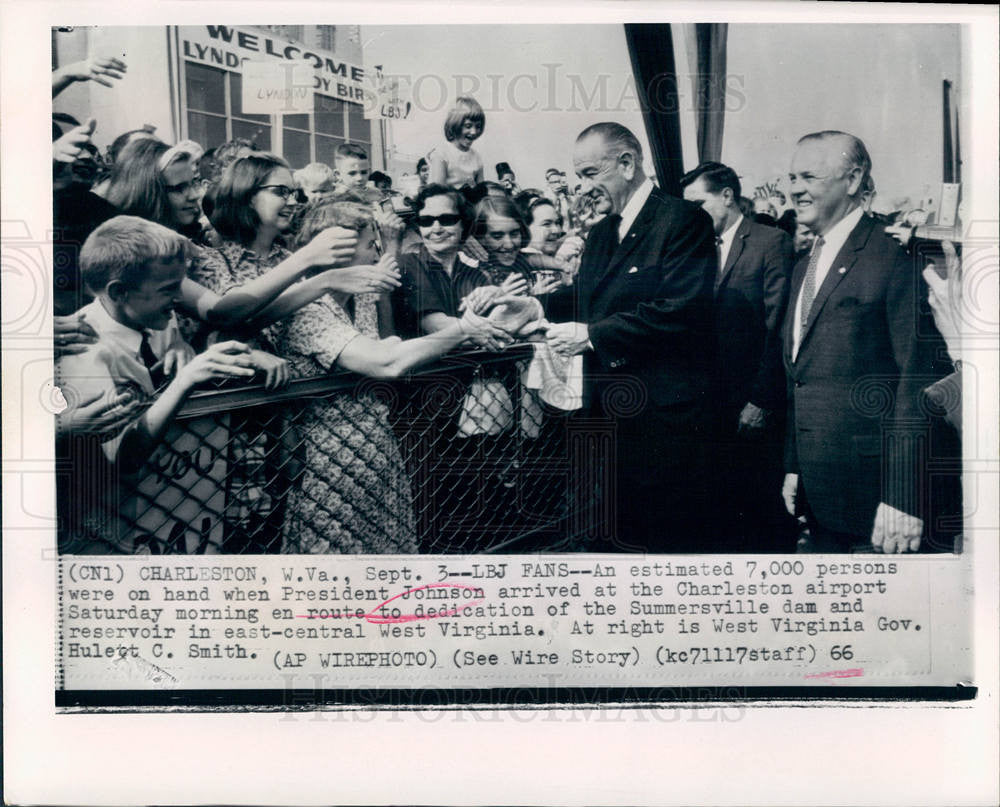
{"x": 643, "y": 319}
{"x": 751, "y": 293}
{"x": 856, "y": 356}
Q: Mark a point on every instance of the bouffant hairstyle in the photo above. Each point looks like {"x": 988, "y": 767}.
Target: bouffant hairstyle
{"x": 461, "y": 206}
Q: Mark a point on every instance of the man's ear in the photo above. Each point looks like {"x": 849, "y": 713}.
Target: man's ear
{"x": 627, "y": 162}
{"x": 728, "y": 197}
{"x": 117, "y": 291}
{"x": 854, "y": 178}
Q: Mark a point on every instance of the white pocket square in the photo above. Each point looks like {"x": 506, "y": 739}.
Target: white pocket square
{"x": 633, "y": 270}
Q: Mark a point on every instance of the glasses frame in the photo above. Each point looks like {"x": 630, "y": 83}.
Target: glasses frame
{"x": 439, "y": 219}
{"x": 296, "y": 193}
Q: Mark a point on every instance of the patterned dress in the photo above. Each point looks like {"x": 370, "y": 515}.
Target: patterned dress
{"x": 260, "y": 437}
{"x": 231, "y": 265}
{"x": 354, "y": 496}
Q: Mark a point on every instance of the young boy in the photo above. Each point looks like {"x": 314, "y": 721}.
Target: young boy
{"x": 351, "y": 167}
{"x": 134, "y": 268}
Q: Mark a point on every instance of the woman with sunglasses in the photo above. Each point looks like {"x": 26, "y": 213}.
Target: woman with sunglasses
{"x": 437, "y": 280}
{"x": 439, "y": 274}
{"x": 353, "y": 494}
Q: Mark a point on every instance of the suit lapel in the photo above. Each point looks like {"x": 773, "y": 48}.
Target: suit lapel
{"x": 630, "y": 242}
{"x": 739, "y": 241}
{"x": 839, "y": 269}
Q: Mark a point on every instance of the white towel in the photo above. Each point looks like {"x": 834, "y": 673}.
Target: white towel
{"x": 558, "y": 379}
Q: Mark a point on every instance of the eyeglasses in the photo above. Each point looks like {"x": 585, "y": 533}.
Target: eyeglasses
{"x": 446, "y": 220}
{"x": 285, "y": 192}
{"x": 185, "y": 187}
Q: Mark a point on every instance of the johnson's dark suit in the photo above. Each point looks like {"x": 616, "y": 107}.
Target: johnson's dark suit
{"x": 750, "y": 299}
{"x": 647, "y": 302}
{"x": 855, "y": 424}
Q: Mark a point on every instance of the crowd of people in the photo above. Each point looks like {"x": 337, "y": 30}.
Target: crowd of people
{"x": 728, "y": 341}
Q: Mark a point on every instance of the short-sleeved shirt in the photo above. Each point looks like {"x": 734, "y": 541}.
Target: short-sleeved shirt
{"x": 428, "y": 289}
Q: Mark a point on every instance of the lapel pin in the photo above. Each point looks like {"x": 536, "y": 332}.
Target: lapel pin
{"x": 633, "y": 270}
{"x": 841, "y": 270}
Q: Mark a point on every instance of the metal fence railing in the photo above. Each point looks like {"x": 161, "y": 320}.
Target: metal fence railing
{"x": 458, "y": 457}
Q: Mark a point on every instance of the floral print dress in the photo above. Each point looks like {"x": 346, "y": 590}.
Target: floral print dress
{"x": 354, "y": 496}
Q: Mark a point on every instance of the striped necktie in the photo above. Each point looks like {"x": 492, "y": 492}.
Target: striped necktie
{"x": 809, "y": 282}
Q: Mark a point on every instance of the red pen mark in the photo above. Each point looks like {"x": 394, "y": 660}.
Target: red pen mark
{"x": 374, "y": 618}
{"x": 852, "y": 673}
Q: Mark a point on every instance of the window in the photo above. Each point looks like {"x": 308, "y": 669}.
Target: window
{"x": 215, "y": 109}
{"x": 215, "y": 115}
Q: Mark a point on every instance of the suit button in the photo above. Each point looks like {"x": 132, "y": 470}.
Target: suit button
{"x": 799, "y": 384}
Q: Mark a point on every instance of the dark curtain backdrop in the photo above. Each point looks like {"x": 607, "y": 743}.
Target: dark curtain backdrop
{"x": 651, "y": 50}
{"x": 710, "y": 79}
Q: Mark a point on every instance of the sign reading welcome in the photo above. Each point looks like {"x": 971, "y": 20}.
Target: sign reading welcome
{"x": 228, "y": 47}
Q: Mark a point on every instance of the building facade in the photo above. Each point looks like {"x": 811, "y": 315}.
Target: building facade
{"x": 187, "y": 82}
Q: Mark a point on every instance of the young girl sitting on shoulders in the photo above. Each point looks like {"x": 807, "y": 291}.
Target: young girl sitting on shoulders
{"x": 456, "y": 163}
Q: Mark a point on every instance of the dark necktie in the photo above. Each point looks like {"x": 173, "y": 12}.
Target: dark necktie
{"x": 718, "y": 258}
{"x": 153, "y": 364}
{"x": 809, "y": 283}
{"x": 615, "y": 221}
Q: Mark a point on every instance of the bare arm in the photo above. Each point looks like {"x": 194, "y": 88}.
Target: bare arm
{"x": 223, "y": 360}
{"x": 439, "y": 169}
{"x": 390, "y": 358}
{"x": 333, "y": 246}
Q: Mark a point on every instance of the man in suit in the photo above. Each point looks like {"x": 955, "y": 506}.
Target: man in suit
{"x": 642, "y": 318}
{"x": 856, "y": 359}
{"x": 751, "y": 293}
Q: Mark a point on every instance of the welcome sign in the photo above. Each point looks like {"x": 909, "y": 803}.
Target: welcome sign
{"x": 230, "y": 48}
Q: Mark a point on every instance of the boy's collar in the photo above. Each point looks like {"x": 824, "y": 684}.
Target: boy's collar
{"x": 102, "y": 317}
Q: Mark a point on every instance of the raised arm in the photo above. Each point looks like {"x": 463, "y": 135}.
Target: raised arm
{"x": 331, "y": 247}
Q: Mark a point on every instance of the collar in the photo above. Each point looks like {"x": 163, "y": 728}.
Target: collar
{"x": 730, "y": 232}
{"x": 634, "y": 205}
{"x": 837, "y": 235}
{"x": 107, "y": 327}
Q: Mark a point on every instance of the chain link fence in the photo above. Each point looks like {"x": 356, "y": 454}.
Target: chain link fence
{"x": 460, "y": 457}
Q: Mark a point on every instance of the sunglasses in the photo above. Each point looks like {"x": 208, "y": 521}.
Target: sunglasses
{"x": 446, "y": 219}
{"x": 285, "y": 192}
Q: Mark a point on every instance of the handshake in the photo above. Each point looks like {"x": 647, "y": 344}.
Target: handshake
{"x": 496, "y": 316}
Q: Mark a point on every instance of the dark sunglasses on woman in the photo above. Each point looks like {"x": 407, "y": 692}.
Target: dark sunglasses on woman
{"x": 446, "y": 219}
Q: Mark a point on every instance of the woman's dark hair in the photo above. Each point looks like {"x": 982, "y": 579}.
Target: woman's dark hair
{"x": 528, "y": 200}
{"x": 232, "y": 216}
{"x": 458, "y": 200}
{"x": 505, "y": 208}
